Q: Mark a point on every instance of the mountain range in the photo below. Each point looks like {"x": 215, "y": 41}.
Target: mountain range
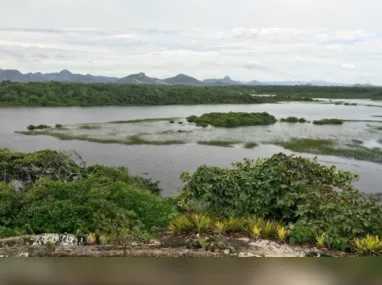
{"x": 142, "y": 78}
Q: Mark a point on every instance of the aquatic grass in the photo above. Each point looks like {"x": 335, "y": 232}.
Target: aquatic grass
{"x": 132, "y": 140}
{"x": 328, "y": 122}
{"x": 89, "y": 127}
{"x": 329, "y": 147}
{"x": 221, "y": 143}
{"x": 250, "y": 145}
{"x": 143, "y": 121}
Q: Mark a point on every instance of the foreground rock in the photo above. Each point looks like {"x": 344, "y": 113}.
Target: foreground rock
{"x": 167, "y": 246}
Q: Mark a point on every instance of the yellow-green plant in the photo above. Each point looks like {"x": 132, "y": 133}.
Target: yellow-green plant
{"x": 233, "y": 225}
{"x": 181, "y": 224}
{"x": 282, "y": 233}
{"x": 220, "y": 226}
{"x": 268, "y": 229}
{"x": 320, "y": 239}
{"x": 255, "y": 232}
{"x": 201, "y": 222}
{"x": 368, "y": 245}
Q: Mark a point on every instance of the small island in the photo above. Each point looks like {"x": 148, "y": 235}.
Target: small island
{"x": 232, "y": 119}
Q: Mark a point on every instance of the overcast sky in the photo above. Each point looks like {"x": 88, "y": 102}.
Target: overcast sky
{"x": 166, "y": 44}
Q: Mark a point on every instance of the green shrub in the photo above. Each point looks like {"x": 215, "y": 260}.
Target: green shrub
{"x": 171, "y": 121}
{"x": 232, "y": 119}
{"x": 58, "y": 126}
{"x": 31, "y": 127}
{"x": 42, "y": 127}
{"x": 91, "y": 204}
{"x": 328, "y": 122}
{"x": 302, "y": 120}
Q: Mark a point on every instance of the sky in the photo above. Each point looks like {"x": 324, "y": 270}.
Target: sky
{"x": 165, "y": 41}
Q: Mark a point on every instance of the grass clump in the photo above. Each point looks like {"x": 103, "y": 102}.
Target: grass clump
{"x": 219, "y": 143}
{"x": 328, "y": 122}
{"x": 232, "y": 119}
{"x": 250, "y": 145}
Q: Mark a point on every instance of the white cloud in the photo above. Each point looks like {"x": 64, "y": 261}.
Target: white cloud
{"x": 244, "y": 54}
{"x": 348, "y": 66}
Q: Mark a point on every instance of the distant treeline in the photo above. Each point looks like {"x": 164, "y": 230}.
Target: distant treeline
{"x": 77, "y": 94}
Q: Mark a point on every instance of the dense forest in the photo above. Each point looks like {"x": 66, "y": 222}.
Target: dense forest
{"x": 77, "y": 94}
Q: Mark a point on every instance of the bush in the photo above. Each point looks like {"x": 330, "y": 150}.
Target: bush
{"x": 232, "y": 119}
{"x": 90, "y": 204}
{"x": 58, "y": 126}
{"x": 302, "y": 120}
{"x": 42, "y": 127}
{"x": 171, "y": 121}
{"x": 328, "y": 122}
{"x": 31, "y": 127}
{"x": 288, "y": 189}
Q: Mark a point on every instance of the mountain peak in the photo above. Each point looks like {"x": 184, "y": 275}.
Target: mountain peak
{"x": 65, "y": 72}
{"x": 227, "y": 77}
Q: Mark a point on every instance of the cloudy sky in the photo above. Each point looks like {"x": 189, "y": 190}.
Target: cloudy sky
{"x": 166, "y": 44}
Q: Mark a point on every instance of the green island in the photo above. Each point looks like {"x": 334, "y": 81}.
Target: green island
{"x": 56, "y": 94}
{"x": 232, "y": 119}
{"x": 259, "y": 199}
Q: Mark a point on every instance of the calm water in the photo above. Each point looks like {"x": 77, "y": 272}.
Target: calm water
{"x": 165, "y": 163}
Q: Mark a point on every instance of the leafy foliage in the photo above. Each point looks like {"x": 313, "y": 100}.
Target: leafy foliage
{"x": 60, "y": 195}
{"x": 232, "y": 119}
{"x": 290, "y": 189}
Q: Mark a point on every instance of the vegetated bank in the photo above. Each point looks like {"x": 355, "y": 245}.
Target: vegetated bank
{"x": 232, "y": 119}
{"x": 56, "y": 94}
{"x": 283, "y": 198}
{"x": 77, "y": 94}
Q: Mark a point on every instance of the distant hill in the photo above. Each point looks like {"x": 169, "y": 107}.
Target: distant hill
{"x": 62, "y": 76}
{"x": 182, "y": 79}
{"x": 140, "y": 78}
{"x": 224, "y": 81}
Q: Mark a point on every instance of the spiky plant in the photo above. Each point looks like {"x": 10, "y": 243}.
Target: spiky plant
{"x": 368, "y": 245}
{"x": 181, "y": 224}
{"x": 201, "y": 222}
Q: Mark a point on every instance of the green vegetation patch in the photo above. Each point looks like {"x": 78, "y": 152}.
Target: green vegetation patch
{"x": 221, "y": 143}
{"x": 39, "y": 127}
{"x": 293, "y": 120}
{"x": 329, "y": 147}
{"x": 232, "y": 119}
{"x": 250, "y": 145}
{"x": 328, "y": 122}
{"x": 151, "y": 120}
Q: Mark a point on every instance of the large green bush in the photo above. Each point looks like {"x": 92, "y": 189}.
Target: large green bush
{"x": 232, "y": 119}
{"x": 91, "y": 204}
{"x": 285, "y": 188}
{"x": 58, "y": 193}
